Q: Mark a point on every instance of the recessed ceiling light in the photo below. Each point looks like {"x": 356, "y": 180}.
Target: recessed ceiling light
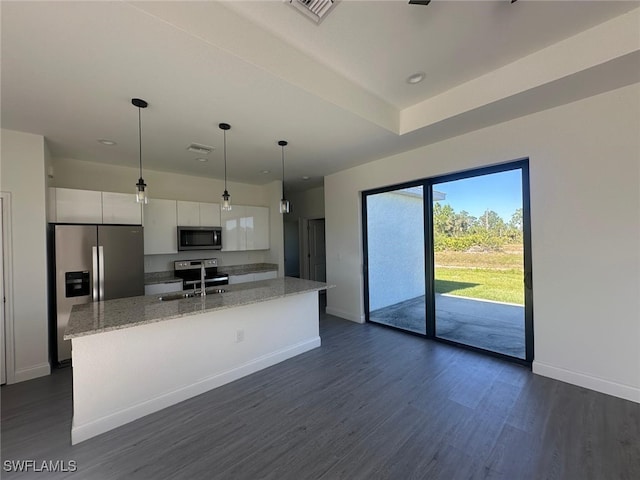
{"x": 265, "y": 172}
{"x": 305, "y": 177}
{"x": 415, "y": 78}
{"x": 202, "y": 159}
{"x": 104, "y": 141}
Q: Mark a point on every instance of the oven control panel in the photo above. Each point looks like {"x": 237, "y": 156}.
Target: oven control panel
{"x": 195, "y": 264}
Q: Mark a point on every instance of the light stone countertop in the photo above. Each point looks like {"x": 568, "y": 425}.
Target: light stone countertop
{"x": 100, "y": 317}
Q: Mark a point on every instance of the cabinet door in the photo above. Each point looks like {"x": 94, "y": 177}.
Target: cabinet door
{"x": 233, "y": 230}
{"x": 257, "y": 231}
{"x": 121, "y": 208}
{"x": 188, "y": 214}
{"x": 233, "y": 279}
{"x": 160, "y": 222}
{"x": 210, "y": 214}
{"x": 265, "y": 275}
{"x": 78, "y": 206}
{"x": 158, "y": 288}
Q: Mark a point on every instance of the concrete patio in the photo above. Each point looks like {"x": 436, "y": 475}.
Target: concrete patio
{"x": 494, "y": 326}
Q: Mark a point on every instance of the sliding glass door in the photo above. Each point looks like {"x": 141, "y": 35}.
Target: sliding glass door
{"x": 479, "y": 262}
{"x": 395, "y": 258}
{"x": 449, "y": 258}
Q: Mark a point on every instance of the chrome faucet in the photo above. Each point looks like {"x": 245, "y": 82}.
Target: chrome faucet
{"x": 203, "y": 273}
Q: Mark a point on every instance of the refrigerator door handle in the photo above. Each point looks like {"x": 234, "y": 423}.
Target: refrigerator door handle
{"x": 94, "y": 256}
{"x": 101, "y": 265}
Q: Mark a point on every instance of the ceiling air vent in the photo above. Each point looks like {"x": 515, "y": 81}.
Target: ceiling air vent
{"x": 316, "y": 10}
{"x": 200, "y": 149}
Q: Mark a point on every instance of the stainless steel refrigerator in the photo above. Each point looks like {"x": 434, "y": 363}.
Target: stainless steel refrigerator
{"x": 91, "y": 263}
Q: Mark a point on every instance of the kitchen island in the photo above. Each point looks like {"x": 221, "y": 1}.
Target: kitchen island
{"x": 134, "y": 356}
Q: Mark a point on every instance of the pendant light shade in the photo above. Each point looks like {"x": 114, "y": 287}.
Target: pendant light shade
{"x": 142, "y": 194}
{"x": 226, "y": 198}
{"x": 284, "y": 203}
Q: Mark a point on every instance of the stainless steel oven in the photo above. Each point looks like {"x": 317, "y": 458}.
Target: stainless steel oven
{"x": 190, "y": 271}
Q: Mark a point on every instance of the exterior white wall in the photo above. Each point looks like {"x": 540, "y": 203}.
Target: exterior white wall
{"x": 22, "y": 175}
{"x": 72, "y": 173}
{"x": 395, "y": 230}
{"x": 585, "y": 218}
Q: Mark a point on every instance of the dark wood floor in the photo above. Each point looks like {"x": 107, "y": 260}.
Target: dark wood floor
{"x": 371, "y": 403}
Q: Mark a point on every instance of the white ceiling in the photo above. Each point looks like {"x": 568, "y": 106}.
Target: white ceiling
{"x": 336, "y": 91}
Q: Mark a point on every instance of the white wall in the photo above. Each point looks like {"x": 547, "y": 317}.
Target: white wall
{"x": 22, "y": 175}
{"x": 72, "y": 173}
{"x": 585, "y": 218}
{"x": 307, "y": 203}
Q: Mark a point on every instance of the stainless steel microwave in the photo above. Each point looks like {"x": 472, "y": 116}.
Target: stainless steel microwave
{"x": 199, "y": 238}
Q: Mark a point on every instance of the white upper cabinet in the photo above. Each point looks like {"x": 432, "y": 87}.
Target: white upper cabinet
{"x": 121, "y": 208}
{"x": 188, "y": 214}
{"x": 67, "y": 205}
{"x": 233, "y": 235}
{"x": 160, "y": 227}
{"x": 210, "y": 214}
{"x": 257, "y": 227}
{"x": 198, "y": 214}
{"x": 245, "y": 228}
{"x": 70, "y": 205}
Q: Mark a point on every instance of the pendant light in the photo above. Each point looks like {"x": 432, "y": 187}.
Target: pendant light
{"x": 226, "y": 198}
{"x": 284, "y": 203}
{"x": 142, "y": 196}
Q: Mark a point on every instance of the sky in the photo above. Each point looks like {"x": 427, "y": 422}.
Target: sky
{"x": 500, "y": 192}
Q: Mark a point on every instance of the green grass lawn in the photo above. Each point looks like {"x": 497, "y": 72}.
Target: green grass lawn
{"x": 484, "y": 283}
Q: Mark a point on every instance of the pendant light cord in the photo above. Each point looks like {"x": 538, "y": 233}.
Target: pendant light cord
{"x": 225, "y": 159}
{"x": 140, "y": 140}
{"x": 282, "y": 171}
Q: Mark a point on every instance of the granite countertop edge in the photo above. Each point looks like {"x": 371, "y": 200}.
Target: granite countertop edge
{"x": 124, "y": 306}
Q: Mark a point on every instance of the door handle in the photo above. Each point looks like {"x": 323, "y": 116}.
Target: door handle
{"x": 96, "y": 281}
{"x": 101, "y": 270}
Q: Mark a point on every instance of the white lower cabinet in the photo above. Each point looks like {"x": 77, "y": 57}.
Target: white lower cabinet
{"x": 160, "y": 288}
{"x": 252, "y": 277}
{"x": 265, "y": 275}
{"x": 247, "y": 277}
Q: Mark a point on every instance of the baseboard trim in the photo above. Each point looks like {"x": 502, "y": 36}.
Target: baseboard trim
{"x": 336, "y": 312}
{"x": 601, "y": 385}
{"x": 30, "y": 373}
{"x": 80, "y": 433}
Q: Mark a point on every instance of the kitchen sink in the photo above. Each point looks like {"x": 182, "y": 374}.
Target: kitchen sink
{"x": 181, "y": 295}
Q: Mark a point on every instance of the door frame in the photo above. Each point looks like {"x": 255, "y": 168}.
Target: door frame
{"x": 7, "y": 249}
{"x": 521, "y": 164}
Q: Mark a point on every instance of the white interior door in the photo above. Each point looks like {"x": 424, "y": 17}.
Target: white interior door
{"x": 3, "y": 363}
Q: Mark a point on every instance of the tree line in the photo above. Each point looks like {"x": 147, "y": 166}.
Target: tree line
{"x": 461, "y": 231}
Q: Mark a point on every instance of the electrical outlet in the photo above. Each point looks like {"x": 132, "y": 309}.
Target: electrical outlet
{"x": 239, "y": 336}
